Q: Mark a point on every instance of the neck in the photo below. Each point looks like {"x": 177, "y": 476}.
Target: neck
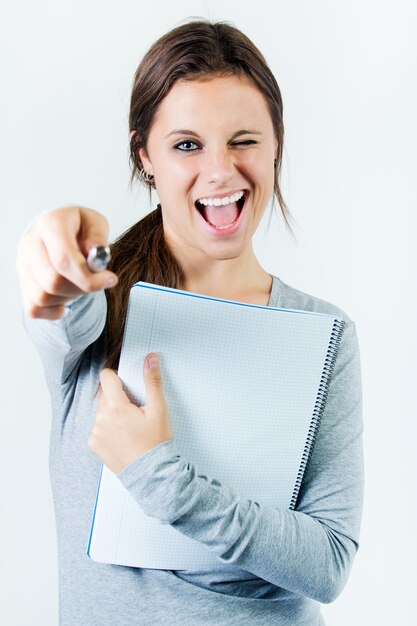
{"x": 242, "y": 279}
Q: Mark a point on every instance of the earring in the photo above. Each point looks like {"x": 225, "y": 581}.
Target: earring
{"x": 275, "y": 164}
{"x": 147, "y": 178}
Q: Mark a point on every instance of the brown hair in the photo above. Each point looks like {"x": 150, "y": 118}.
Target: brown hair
{"x": 195, "y": 50}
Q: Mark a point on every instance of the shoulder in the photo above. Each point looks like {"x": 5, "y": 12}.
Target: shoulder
{"x": 286, "y": 297}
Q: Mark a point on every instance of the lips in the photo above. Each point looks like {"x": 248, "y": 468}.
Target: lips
{"x": 227, "y": 229}
{"x": 221, "y": 212}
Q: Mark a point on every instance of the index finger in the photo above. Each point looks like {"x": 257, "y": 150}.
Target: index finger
{"x": 112, "y": 387}
{"x": 67, "y": 237}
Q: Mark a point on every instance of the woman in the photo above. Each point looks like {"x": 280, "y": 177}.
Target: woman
{"x": 206, "y": 131}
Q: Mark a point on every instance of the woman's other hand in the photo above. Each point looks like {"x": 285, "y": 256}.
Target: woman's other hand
{"x": 124, "y": 431}
{"x": 51, "y": 262}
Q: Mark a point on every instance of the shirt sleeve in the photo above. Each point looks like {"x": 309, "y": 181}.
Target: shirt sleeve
{"x": 308, "y": 551}
{"x": 61, "y": 342}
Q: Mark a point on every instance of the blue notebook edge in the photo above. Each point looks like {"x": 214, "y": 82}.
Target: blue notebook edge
{"x": 94, "y": 513}
{"x": 146, "y": 285}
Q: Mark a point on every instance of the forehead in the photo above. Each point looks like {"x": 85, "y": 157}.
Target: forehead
{"x": 219, "y": 101}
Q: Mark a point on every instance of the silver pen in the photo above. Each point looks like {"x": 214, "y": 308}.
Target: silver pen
{"x": 98, "y": 258}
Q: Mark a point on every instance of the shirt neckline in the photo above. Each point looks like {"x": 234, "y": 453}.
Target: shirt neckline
{"x": 274, "y": 294}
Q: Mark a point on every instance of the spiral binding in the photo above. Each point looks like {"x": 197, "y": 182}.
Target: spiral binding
{"x": 329, "y": 361}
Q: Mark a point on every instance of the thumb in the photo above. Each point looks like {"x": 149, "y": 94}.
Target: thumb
{"x": 93, "y": 229}
{"x": 153, "y": 382}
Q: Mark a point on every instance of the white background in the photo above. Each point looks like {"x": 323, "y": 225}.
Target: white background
{"x": 347, "y": 72}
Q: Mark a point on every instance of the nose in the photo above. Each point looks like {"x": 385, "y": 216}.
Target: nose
{"x": 219, "y": 166}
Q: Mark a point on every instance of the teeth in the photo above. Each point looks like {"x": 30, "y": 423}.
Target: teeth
{"x": 221, "y": 201}
{"x": 223, "y": 227}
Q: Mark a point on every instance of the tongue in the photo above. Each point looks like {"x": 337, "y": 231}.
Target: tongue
{"x": 221, "y": 215}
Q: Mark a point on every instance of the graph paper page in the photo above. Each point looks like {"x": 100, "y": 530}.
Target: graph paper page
{"x": 241, "y": 382}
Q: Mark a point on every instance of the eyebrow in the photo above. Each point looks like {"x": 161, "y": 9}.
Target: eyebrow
{"x": 184, "y": 131}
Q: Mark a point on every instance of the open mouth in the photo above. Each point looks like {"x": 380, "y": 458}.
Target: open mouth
{"x": 222, "y": 216}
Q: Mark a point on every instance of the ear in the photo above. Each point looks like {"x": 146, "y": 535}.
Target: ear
{"x": 146, "y": 161}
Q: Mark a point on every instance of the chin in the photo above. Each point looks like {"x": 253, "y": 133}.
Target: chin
{"x": 225, "y": 253}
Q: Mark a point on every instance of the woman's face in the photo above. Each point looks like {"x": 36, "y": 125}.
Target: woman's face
{"x": 211, "y": 149}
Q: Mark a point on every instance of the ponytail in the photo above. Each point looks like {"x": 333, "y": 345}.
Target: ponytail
{"x": 140, "y": 253}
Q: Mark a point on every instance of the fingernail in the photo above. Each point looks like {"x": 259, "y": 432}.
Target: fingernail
{"x": 153, "y": 361}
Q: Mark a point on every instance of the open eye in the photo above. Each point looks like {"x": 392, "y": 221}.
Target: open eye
{"x": 186, "y": 146}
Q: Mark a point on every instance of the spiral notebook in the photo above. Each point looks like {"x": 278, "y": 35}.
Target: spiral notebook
{"x": 245, "y": 387}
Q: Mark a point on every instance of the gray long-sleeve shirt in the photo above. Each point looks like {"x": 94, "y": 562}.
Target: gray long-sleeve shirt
{"x": 275, "y": 565}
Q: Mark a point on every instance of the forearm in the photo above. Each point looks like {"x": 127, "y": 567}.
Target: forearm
{"x": 61, "y": 342}
{"x": 289, "y": 549}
